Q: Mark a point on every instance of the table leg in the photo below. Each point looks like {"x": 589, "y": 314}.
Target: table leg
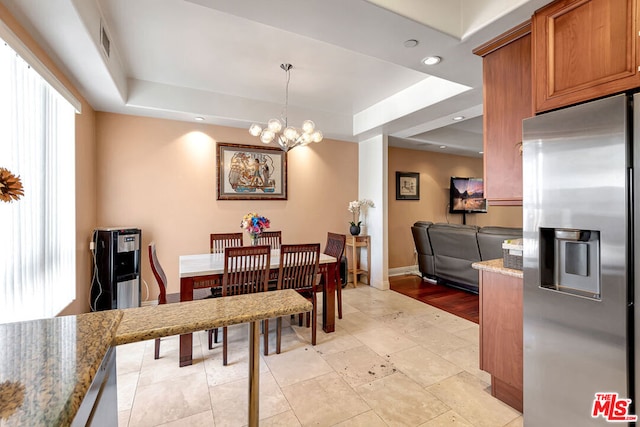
{"x": 186, "y": 340}
{"x": 329, "y": 299}
{"x": 254, "y": 374}
{"x": 368, "y": 261}
{"x": 354, "y": 254}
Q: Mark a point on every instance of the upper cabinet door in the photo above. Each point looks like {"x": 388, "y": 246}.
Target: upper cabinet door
{"x": 506, "y": 76}
{"x": 584, "y": 49}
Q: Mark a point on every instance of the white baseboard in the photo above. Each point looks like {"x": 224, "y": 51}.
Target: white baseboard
{"x": 148, "y": 303}
{"x": 409, "y": 269}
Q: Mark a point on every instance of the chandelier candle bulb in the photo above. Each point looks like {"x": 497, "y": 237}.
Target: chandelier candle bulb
{"x": 308, "y": 126}
{"x": 274, "y": 125}
{"x": 255, "y": 130}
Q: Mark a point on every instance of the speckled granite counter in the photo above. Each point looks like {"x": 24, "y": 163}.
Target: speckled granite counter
{"x": 497, "y": 266}
{"x": 46, "y": 366}
{"x": 145, "y": 323}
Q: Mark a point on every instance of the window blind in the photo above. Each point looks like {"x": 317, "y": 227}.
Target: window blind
{"x": 37, "y": 232}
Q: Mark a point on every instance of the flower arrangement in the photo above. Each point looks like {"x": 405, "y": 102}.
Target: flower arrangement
{"x": 356, "y": 206}
{"x": 254, "y": 224}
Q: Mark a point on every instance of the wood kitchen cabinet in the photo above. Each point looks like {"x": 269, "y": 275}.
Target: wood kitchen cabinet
{"x": 501, "y": 334}
{"x": 506, "y": 74}
{"x": 584, "y": 49}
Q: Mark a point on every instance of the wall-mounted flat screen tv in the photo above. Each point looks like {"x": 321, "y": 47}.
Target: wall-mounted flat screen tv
{"x": 466, "y": 195}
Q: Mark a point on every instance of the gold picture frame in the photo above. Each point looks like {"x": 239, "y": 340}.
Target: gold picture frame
{"x": 249, "y": 172}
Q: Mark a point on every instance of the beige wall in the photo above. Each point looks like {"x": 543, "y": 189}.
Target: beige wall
{"x": 85, "y": 171}
{"x": 160, "y": 175}
{"x": 435, "y": 170}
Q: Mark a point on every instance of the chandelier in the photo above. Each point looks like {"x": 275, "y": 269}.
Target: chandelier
{"x": 278, "y": 129}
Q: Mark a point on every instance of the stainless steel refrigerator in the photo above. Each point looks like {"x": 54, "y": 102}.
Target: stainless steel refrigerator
{"x": 578, "y": 230}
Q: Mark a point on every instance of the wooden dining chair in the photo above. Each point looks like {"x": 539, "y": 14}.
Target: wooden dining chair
{"x": 220, "y": 241}
{"x": 246, "y": 271}
{"x": 335, "y": 248}
{"x": 298, "y": 270}
{"x": 163, "y": 297}
{"x": 271, "y": 238}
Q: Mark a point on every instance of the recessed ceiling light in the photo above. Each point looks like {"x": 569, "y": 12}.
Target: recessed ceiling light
{"x": 411, "y": 43}
{"x": 443, "y": 146}
{"x": 199, "y": 119}
{"x": 458, "y": 118}
{"x": 431, "y": 60}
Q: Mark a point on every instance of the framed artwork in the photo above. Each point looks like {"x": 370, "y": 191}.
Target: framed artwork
{"x": 250, "y": 172}
{"x": 407, "y": 186}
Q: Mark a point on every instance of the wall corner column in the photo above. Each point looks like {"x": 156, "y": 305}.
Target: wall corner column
{"x": 373, "y": 185}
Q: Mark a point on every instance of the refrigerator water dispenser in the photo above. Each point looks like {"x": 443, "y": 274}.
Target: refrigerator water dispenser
{"x": 570, "y": 261}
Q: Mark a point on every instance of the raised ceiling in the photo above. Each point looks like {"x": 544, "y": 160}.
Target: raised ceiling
{"x": 220, "y": 60}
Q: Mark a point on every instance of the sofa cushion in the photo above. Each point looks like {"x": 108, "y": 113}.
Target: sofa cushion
{"x": 421, "y": 238}
{"x": 490, "y": 240}
{"x": 455, "y": 248}
{"x": 423, "y": 248}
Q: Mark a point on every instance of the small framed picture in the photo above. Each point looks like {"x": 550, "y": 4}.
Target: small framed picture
{"x": 407, "y": 186}
{"x": 248, "y": 172}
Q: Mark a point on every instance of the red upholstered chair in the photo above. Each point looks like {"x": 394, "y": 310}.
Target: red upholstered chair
{"x": 299, "y": 270}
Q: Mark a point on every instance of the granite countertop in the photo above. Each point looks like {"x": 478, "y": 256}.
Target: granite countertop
{"x": 496, "y": 266}
{"x": 47, "y": 366}
{"x": 145, "y": 323}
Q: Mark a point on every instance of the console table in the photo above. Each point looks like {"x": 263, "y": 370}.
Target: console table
{"x": 355, "y": 265}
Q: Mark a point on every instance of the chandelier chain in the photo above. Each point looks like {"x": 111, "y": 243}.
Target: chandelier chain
{"x": 287, "y": 68}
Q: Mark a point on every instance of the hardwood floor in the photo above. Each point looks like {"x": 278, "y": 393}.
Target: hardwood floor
{"x": 451, "y": 300}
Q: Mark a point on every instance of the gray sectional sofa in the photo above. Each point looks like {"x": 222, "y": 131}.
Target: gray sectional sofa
{"x": 446, "y": 251}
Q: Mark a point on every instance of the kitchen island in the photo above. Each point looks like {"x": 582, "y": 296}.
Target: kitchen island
{"x": 47, "y": 368}
{"x": 54, "y": 372}
{"x": 145, "y": 323}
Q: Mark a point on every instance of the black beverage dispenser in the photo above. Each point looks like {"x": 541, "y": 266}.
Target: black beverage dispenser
{"x": 116, "y": 268}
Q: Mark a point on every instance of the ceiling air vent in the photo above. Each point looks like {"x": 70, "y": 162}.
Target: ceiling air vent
{"x": 104, "y": 40}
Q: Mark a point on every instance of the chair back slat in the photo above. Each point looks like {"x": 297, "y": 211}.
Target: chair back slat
{"x": 246, "y": 269}
{"x": 218, "y": 242}
{"x": 335, "y": 245}
{"x": 158, "y": 273}
{"x": 335, "y": 248}
{"x": 298, "y": 266}
{"x": 271, "y": 238}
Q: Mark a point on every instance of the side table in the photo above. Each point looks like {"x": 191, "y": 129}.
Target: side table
{"x": 355, "y": 267}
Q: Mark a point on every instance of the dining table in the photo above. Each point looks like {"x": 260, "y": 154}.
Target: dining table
{"x": 206, "y": 271}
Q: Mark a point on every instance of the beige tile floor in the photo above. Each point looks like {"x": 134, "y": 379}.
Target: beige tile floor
{"x": 393, "y": 361}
